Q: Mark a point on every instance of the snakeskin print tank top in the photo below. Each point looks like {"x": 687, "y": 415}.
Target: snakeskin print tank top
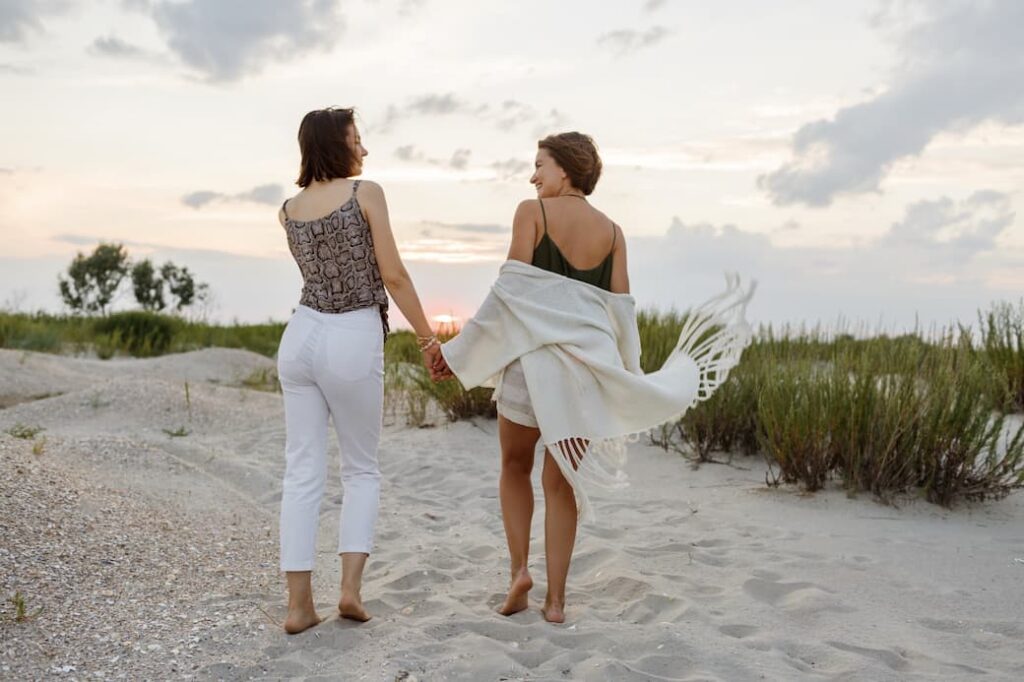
{"x": 335, "y": 256}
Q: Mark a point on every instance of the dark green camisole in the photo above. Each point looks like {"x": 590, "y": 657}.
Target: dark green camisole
{"x": 547, "y": 256}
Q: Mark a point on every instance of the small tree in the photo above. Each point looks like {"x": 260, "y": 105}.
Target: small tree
{"x": 183, "y": 286}
{"x": 93, "y": 280}
{"x": 149, "y": 289}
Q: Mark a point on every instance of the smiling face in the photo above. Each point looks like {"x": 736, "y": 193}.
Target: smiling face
{"x": 548, "y": 177}
{"x": 355, "y": 145}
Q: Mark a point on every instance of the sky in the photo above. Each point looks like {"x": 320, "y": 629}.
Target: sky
{"x": 863, "y": 161}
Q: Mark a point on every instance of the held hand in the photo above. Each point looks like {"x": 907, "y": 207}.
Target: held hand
{"x": 433, "y": 361}
{"x": 442, "y": 371}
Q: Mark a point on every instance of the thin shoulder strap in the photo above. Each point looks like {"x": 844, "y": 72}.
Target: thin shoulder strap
{"x": 543, "y": 214}
{"x": 615, "y": 233}
{"x": 355, "y": 187}
{"x": 284, "y": 208}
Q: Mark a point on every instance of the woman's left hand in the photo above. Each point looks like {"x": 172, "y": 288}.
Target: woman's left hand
{"x": 434, "y": 361}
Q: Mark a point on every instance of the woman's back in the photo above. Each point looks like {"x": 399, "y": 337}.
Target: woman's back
{"x": 332, "y": 244}
{"x": 576, "y": 240}
{"x": 320, "y": 200}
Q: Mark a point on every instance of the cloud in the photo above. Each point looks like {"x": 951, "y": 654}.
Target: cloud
{"x": 408, "y": 153}
{"x": 77, "y": 239}
{"x": 201, "y": 198}
{"x": 509, "y": 115}
{"x": 270, "y": 194}
{"x": 409, "y": 7}
{"x": 937, "y": 262}
{"x": 442, "y": 104}
{"x": 513, "y": 112}
{"x": 627, "y": 41}
{"x": 16, "y": 69}
{"x": 112, "y": 46}
{"x": 225, "y": 42}
{"x": 435, "y": 104}
{"x": 19, "y": 18}
{"x": 961, "y": 66}
{"x": 511, "y": 168}
{"x": 459, "y": 159}
{"x": 950, "y": 231}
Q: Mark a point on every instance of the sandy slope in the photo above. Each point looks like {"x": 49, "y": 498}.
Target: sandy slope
{"x": 155, "y": 556}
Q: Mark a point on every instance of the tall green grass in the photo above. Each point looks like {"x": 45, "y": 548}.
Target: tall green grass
{"x": 879, "y": 414}
{"x": 135, "y": 333}
{"x": 1002, "y": 336}
{"x": 892, "y": 419}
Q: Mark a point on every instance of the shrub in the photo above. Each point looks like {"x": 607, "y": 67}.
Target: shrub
{"x": 142, "y": 334}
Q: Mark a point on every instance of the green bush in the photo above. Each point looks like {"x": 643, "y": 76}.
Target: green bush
{"x": 139, "y": 333}
{"x": 1002, "y": 333}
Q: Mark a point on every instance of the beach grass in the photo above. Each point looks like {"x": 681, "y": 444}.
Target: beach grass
{"x": 887, "y": 415}
{"x": 1002, "y": 337}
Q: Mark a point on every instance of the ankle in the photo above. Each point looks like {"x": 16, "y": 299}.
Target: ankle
{"x": 304, "y": 605}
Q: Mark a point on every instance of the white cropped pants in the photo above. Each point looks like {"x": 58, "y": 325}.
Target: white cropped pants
{"x": 330, "y": 365}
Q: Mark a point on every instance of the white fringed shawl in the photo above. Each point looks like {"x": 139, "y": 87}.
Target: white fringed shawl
{"x": 580, "y": 351}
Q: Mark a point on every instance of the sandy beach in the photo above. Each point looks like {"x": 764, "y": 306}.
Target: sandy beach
{"x": 145, "y": 555}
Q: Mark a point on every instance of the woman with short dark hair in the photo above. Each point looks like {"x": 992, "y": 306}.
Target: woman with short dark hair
{"x": 331, "y": 356}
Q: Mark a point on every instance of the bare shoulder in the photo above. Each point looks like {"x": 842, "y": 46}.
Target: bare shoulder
{"x": 282, "y": 211}
{"x": 370, "y": 188}
{"x": 620, "y": 236}
{"x": 528, "y": 208}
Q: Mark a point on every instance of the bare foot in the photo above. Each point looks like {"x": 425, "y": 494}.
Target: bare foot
{"x": 300, "y": 619}
{"x": 553, "y": 613}
{"x": 518, "y": 594}
{"x": 351, "y": 607}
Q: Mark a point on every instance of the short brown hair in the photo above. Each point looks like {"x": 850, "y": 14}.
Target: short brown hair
{"x": 325, "y": 152}
{"x": 577, "y": 155}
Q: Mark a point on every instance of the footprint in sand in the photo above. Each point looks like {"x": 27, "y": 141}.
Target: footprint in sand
{"x": 709, "y": 560}
{"x": 710, "y": 542}
{"x": 655, "y": 609}
{"x": 738, "y": 630}
{"x": 893, "y": 659}
{"x": 418, "y": 580}
{"x": 480, "y": 552}
{"x": 587, "y": 562}
{"x": 959, "y": 627}
{"x": 795, "y": 597}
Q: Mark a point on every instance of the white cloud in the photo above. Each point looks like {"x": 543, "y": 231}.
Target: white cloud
{"x": 270, "y": 194}
{"x": 627, "y": 41}
{"x": 508, "y": 115}
{"x": 959, "y": 67}
{"x": 117, "y": 48}
{"x": 20, "y": 18}
{"x": 936, "y": 264}
{"x": 225, "y": 41}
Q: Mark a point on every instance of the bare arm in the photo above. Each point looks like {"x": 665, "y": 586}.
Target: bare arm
{"x": 620, "y": 275}
{"x": 524, "y": 231}
{"x": 392, "y": 270}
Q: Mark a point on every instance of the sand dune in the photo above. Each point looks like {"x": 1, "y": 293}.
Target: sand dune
{"x": 155, "y": 555}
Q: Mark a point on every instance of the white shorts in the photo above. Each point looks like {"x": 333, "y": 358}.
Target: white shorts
{"x": 513, "y": 397}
